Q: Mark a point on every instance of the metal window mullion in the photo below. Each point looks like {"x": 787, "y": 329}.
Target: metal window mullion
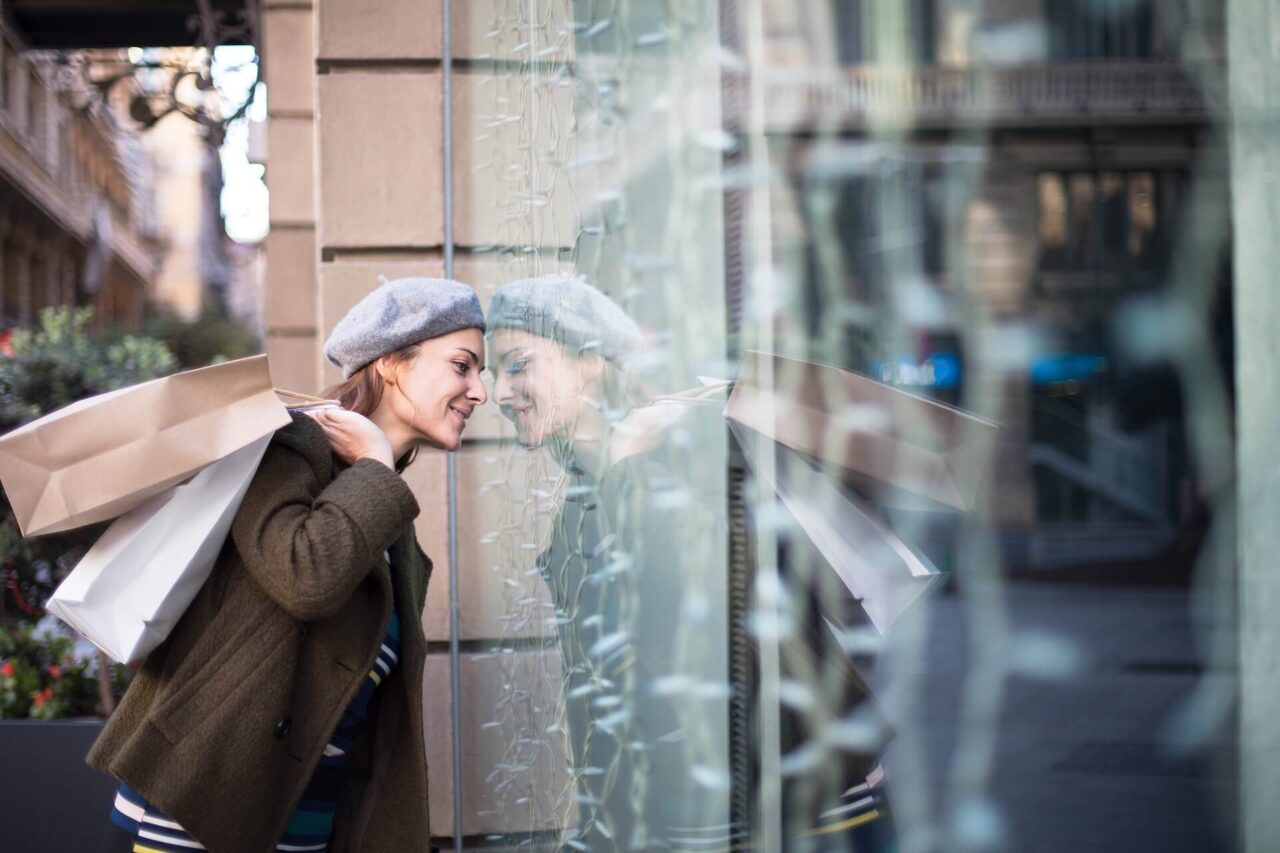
{"x": 455, "y": 653}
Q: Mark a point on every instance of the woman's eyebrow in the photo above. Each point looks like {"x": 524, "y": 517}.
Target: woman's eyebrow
{"x": 475, "y": 359}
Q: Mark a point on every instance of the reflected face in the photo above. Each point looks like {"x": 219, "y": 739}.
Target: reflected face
{"x": 435, "y": 393}
{"x": 538, "y": 387}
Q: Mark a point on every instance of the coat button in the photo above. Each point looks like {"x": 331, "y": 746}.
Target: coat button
{"x": 302, "y": 632}
{"x": 282, "y": 727}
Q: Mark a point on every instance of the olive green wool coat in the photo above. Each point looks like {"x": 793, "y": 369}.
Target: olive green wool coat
{"x": 225, "y": 722}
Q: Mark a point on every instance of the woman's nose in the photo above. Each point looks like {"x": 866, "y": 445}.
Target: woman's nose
{"x": 477, "y": 392}
{"x": 501, "y": 388}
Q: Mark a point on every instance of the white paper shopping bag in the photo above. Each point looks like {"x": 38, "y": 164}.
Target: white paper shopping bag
{"x": 880, "y": 571}
{"x": 138, "y": 579}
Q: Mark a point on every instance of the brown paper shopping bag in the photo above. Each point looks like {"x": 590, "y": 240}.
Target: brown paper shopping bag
{"x": 897, "y": 447}
{"x": 99, "y": 458}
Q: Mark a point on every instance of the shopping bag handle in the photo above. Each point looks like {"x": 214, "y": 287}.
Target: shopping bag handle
{"x": 298, "y": 400}
{"x": 697, "y": 394}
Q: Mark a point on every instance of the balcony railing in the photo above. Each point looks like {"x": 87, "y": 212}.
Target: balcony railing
{"x": 1061, "y": 94}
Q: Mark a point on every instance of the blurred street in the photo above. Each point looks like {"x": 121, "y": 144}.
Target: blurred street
{"x": 1080, "y": 762}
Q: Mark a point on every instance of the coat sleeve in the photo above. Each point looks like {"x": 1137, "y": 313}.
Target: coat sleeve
{"x": 309, "y": 545}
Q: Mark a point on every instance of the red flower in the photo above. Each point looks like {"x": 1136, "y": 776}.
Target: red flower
{"x": 43, "y": 696}
{"x": 55, "y": 672}
{"x": 6, "y": 669}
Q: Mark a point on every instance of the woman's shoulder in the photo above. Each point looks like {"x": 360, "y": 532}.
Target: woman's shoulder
{"x": 301, "y": 433}
{"x": 304, "y": 437}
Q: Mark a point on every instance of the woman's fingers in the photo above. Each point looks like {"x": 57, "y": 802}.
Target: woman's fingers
{"x": 353, "y": 436}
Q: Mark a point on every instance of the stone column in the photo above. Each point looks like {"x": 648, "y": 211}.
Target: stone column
{"x": 290, "y": 289}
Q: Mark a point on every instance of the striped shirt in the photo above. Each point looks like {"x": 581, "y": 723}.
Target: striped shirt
{"x": 311, "y": 824}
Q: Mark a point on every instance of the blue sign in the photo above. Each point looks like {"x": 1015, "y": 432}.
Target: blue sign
{"x": 939, "y": 370}
{"x": 1066, "y": 366}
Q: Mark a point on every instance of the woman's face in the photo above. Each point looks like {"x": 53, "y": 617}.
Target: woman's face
{"x": 432, "y": 395}
{"x": 539, "y": 387}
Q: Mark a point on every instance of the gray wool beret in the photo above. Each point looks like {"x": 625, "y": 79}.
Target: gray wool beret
{"x": 399, "y": 313}
{"x": 570, "y": 311}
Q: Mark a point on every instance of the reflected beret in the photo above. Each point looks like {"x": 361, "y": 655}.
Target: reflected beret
{"x": 400, "y": 313}
{"x": 570, "y": 311}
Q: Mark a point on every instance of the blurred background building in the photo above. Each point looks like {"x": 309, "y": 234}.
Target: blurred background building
{"x": 1079, "y": 125}
{"x": 78, "y": 199}
{"x": 103, "y": 209}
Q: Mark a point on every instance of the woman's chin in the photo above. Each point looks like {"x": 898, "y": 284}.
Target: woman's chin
{"x": 528, "y": 440}
{"x": 446, "y": 441}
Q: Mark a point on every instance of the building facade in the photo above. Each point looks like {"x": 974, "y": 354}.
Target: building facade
{"x": 77, "y": 208}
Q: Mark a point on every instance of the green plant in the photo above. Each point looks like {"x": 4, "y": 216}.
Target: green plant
{"x": 42, "y": 370}
{"x": 59, "y": 362}
{"x": 42, "y": 676}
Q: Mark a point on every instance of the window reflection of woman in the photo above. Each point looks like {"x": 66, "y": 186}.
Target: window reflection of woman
{"x": 621, "y": 570}
{"x": 562, "y": 352}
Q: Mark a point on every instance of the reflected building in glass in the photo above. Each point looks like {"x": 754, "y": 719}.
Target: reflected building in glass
{"x": 1040, "y": 158}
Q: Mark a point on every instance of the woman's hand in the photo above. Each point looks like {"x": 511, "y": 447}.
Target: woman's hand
{"x": 354, "y": 436}
{"x": 643, "y": 429}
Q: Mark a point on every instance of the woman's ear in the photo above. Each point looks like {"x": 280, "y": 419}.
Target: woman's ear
{"x": 389, "y": 373}
{"x": 592, "y": 366}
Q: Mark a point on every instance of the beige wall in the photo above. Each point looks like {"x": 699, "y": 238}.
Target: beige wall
{"x": 355, "y": 172}
{"x": 290, "y": 292}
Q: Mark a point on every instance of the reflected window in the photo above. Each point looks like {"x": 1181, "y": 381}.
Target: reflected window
{"x": 1142, "y": 215}
{"x": 1080, "y": 248}
{"x": 1109, "y": 221}
{"x": 1101, "y": 29}
{"x": 854, "y": 36}
{"x": 1053, "y": 215}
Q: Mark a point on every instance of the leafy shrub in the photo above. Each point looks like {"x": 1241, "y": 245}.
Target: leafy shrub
{"x": 58, "y": 362}
{"x": 41, "y": 370}
{"x": 44, "y": 676}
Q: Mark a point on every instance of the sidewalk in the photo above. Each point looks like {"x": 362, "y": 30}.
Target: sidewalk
{"x": 1081, "y": 763}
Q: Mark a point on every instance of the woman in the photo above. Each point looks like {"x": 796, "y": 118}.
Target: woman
{"x": 284, "y": 711}
{"x": 632, "y": 549}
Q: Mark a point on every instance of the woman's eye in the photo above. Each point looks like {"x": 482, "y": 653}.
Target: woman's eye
{"x": 516, "y": 366}
{"x": 461, "y": 367}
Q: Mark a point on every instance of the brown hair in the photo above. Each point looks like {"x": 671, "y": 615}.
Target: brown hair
{"x": 363, "y": 391}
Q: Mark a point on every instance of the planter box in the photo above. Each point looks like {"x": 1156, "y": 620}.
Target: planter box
{"x": 50, "y": 800}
